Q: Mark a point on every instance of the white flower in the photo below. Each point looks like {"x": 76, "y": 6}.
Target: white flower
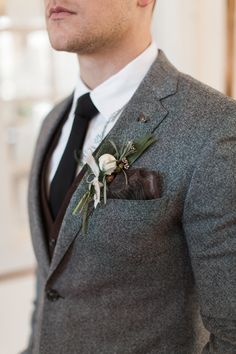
{"x": 107, "y": 163}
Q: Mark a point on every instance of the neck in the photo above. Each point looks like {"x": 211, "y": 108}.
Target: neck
{"x": 97, "y": 67}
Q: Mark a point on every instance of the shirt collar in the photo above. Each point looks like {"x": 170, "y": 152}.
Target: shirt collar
{"x": 115, "y": 92}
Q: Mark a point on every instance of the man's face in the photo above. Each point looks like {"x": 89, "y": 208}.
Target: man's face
{"x": 86, "y": 26}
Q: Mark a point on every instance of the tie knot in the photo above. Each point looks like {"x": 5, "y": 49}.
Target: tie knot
{"x": 85, "y": 107}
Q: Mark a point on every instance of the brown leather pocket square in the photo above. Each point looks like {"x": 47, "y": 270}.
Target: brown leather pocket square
{"x": 142, "y": 184}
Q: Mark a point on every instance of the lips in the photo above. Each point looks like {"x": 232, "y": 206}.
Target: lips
{"x": 58, "y": 12}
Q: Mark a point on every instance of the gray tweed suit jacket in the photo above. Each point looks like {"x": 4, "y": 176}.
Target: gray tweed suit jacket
{"x": 154, "y": 275}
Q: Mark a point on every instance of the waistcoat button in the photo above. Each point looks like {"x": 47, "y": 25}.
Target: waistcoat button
{"x": 53, "y": 295}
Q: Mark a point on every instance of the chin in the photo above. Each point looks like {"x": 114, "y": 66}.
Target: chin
{"x": 73, "y": 44}
{"x": 59, "y": 44}
{"x": 60, "y": 47}
{"x": 71, "y": 47}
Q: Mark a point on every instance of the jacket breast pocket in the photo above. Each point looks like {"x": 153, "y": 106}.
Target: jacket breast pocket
{"x": 131, "y": 209}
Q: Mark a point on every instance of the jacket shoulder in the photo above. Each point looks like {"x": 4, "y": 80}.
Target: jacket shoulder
{"x": 205, "y": 106}
{"x": 203, "y": 95}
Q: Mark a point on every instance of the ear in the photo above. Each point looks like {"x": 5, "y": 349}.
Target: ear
{"x": 143, "y": 3}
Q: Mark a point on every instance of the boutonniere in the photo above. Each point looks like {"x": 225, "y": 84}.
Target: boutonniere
{"x": 104, "y": 170}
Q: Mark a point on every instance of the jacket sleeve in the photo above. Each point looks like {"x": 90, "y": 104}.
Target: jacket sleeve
{"x": 209, "y": 222}
{"x": 33, "y": 321}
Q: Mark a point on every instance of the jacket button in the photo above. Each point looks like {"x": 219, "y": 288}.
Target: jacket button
{"x": 53, "y": 295}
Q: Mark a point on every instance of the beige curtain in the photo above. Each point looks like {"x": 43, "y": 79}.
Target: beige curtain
{"x": 2, "y": 7}
{"x": 231, "y": 48}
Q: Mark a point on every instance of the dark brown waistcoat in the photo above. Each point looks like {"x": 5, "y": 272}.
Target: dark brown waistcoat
{"x": 52, "y": 227}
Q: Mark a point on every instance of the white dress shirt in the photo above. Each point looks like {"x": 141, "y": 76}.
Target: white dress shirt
{"x": 110, "y": 98}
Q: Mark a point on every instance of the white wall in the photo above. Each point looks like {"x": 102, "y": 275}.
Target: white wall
{"x": 23, "y": 11}
{"x": 192, "y": 33}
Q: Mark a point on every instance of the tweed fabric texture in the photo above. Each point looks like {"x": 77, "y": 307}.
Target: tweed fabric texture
{"x": 153, "y": 276}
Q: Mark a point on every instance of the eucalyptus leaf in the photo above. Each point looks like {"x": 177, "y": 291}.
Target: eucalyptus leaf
{"x": 115, "y": 147}
{"x": 122, "y": 151}
{"x": 105, "y": 189}
{"x": 126, "y": 178}
{"x": 85, "y": 219}
{"x": 82, "y": 202}
{"x": 141, "y": 145}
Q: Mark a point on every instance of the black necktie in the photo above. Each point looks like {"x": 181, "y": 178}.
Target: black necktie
{"x": 65, "y": 173}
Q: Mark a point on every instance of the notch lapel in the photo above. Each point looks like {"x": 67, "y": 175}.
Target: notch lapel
{"x": 145, "y": 105}
{"x": 49, "y": 128}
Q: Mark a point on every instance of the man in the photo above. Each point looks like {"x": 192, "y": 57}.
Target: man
{"x": 155, "y": 272}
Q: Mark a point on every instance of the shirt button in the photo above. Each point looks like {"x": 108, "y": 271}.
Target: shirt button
{"x": 53, "y": 295}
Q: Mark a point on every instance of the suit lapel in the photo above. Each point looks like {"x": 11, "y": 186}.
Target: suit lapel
{"x": 49, "y": 128}
{"x": 160, "y": 82}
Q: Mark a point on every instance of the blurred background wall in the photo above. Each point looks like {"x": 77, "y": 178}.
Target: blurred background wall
{"x": 198, "y": 36}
